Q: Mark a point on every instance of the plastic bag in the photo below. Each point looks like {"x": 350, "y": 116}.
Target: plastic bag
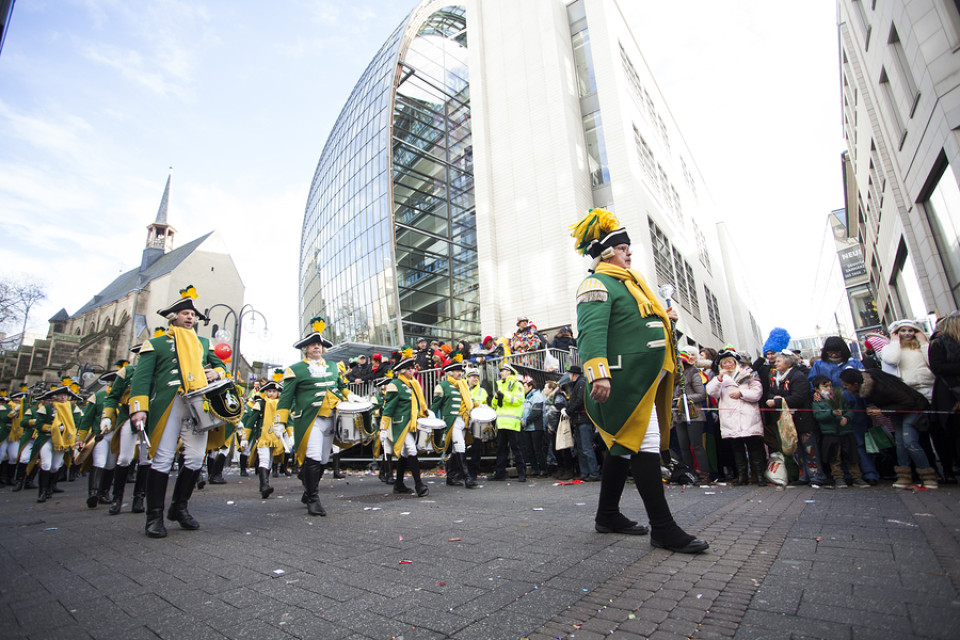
{"x": 776, "y": 472}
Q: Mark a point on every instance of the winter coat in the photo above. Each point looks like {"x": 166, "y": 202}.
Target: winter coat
{"x": 533, "y": 404}
{"x": 696, "y": 394}
{"x": 829, "y": 423}
{"x": 576, "y": 408}
{"x": 912, "y": 366}
{"x": 832, "y": 370}
{"x": 944, "y": 357}
{"x": 795, "y": 391}
{"x": 739, "y": 417}
{"x": 889, "y": 392}
{"x": 563, "y": 343}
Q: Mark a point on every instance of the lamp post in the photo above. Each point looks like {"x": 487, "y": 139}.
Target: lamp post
{"x": 81, "y": 369}
{"x": 245, "y": 310}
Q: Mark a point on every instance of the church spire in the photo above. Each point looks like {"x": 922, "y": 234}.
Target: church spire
{"x": 159, "y": 233}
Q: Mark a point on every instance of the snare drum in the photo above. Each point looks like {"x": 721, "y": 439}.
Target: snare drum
{"x": 211, "y": 406}
{"x": 347, "y": 427}
{"x": 425, "y": 429}
{"x": 481, "y": 416}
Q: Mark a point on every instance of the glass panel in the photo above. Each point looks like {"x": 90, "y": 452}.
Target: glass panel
{"x": 596, "y": 149}
{"x": 583, "y": 61}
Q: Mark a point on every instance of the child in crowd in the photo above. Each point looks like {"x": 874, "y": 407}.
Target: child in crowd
{"x": 835, "y": 417}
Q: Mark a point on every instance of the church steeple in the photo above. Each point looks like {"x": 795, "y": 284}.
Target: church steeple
{"x": 159, "y": 233}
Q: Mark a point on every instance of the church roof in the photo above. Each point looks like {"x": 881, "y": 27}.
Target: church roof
{"x": 164, "y": 202}
{"x": 137, "y": 279}
{"x": 60, "y": 316}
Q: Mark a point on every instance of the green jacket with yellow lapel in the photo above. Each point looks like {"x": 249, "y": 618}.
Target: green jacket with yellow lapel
{"x": 157, "y": 379}
{"x": 617, "y": 341}
{"x": 401, "y": 409}
{"x": 305, "y": 396}
{"x": 448, "y": 406}
{"x": 92, "y": 412}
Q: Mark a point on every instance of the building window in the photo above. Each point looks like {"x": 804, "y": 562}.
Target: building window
{"x": 596, "y": 149}
{"x": 662, "y": 254}
{"x": 646, "y": 156}
{"x": 907, "y": 82}
{"x": 702, "y": 250}
{"x": 942, "y": 208}
{"x": 583, "y": 63}
{"x": 890, "y": 102}
{"x": 713, "y": 312}
{"x": 686, "y": 285}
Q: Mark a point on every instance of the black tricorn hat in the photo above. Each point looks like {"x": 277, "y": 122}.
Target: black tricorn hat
{"x": 187, "y": 296}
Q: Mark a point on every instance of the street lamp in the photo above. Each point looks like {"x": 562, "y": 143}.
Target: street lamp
{"x": 245, "y": 310}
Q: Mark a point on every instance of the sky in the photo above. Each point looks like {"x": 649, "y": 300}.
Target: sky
{"x": 99, "y": 97}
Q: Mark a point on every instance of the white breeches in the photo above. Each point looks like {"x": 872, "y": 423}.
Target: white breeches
{"x": 8, "y": 451}
{"x": 128, "y": 442}
{"x": 409, "y": 447}
{"x": 651, "y": 440}
{"x": 50, "y": 460}
{"x": 27, "y": 452}
{"x": 102, "y": 457}
{"x": 264, "y": 457}
{"x": 194, "y": 444}
{"x": 459, "y": 444}
{"x": 320, "y": 444}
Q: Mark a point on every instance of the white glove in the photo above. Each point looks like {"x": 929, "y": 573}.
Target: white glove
{"x": 278, "y": 429}
{"x": 243, "y": 444}
{"x": 563, "y": 412}
{"x": 106, "y": 424}
{"x": 431, "y": 414}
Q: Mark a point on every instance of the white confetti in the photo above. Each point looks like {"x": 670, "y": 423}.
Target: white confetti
{"x": 279, "y": 572}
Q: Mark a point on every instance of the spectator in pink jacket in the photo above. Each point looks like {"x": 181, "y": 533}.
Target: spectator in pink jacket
{"x": 738, "y": 392}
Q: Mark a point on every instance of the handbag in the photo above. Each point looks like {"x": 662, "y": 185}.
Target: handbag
{"x": 876, "y": 438}
{"x": 564, "y": 434}
{"x": 788, "y": 430}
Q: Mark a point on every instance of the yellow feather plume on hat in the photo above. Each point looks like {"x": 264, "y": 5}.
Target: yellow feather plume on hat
{"x": 75, "y": 387}
{"x": 188, "y": 292}
{"x": 342, "y": 368}
{"x": 407, "y": 352}
{"x": 458, "y": 357}
{"x": 277, "y": 375}
{"x": 318, "y": 324}
{"x": 66, "y": 382}
{"x": 389, "y": 374}
{"x": 593, "y": 226}
{"x": 23, "y": 387}
{"x": 159, "y": 331}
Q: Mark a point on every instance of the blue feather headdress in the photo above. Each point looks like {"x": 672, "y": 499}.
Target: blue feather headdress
{"x": 777, "y": 341}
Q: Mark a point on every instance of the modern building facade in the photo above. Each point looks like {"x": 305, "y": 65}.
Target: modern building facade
{"x": 900, "y": 77}
{"x": 443, "y": 197}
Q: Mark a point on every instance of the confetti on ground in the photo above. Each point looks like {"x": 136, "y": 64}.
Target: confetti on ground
{"x": 457, "y": 521}
{"x": 406, "y": 562}
{"x": 809, "y": 501}
{"x": 580, "y": 504}
{"x": 906, "y": 524}
{"x": 925, "y": 515}
{"x": 404, "y": 513}
{"x": 229, "y": 501}
{"x": 564, "y": 484}
{"x": 50, "y": 529}
{"x": 279, "y": 572}
{"x": 441, "y": 584}
{"x": 538, "y": 508}
{"x": 454, "y": 539}
{"x": 709, "y": 493}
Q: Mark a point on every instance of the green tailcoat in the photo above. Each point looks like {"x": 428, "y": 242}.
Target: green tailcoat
{"x": 304, "y": 397}
{"x": 616, "y": 341}
{"x": 402, "y": 409}
{"x": 157, "y": 379}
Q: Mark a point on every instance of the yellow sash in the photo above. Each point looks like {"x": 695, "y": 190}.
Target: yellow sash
{"x": 269, "y": 411}
{"x": 63, "y": 415}
{"x": 190, "y": 356}
{"x": 466, "y": 400}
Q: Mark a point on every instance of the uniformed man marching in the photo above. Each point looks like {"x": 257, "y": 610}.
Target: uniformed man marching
{"x": 403, "y": 406}
{"x": 173, "y": 364}
{"x": 452, "y": 404}
{"x": 56, "y": 434}
{"x": 259, "y": 436}
{"x": 626, "y": 346}
{"x": 125, "y": 441}
{"x": 312, "y": 388}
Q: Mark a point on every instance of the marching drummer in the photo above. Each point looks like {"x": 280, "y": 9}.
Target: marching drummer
{"x": 382, "y": 448}
{"x": 452, "y": 404}
{"x": 56, "y": 434}
{"x": 116, "y": 419}
{"x": 312, "y": 388}
{"x": 401, "y": 410}
{"x": 103, "y": 459}
{"x": 171, "y": 365}
{"x": 264, "y": 443}
{"x": 479, "y": 396}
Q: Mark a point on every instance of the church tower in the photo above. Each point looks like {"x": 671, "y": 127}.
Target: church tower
{"x": 159, "y": 234}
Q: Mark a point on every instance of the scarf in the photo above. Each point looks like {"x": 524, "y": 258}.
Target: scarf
{"x": 190, "y": 357}
{"x": 638, "y": 288}
{"x": 421, "y": 406}
{"x": 466, "y": 400}
{"x": 63, "y": 416}
{"x": 779, "y": 377}
{"x": 269, "y": 411}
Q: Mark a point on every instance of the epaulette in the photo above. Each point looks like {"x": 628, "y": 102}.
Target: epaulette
{"x": 391, "y": 389}
{"x": 591, "y": 290}
{"x": 147, "y": 346}
{"x": 438, "y": 391}
{"x": 289, "y": 374}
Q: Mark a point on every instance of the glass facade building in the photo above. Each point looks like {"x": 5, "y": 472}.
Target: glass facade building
{"x": 388, "y": 248}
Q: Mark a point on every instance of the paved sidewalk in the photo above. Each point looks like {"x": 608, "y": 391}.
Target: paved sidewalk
{"x": 505, "y": 561}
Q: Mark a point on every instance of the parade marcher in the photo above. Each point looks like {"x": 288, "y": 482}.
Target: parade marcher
{"x": 627, "y": 348}
{"x": 125, "y": 441}
{"x": 312, "y": 388}
{"x": 23, "y": 477}
{"x": 175, "y": 363}
{"x": 403, "y": 406}
{"x": 478, "y": 395}
{"x": 508, "y": 402}
{"x": 260, "y": 436}
{"x": 452, "y": 404}
{"x": 100, "y": 476}
{"x": 56, "y": 434}
{"x": 9, "y": 437}
{"x": 382, "y": 447}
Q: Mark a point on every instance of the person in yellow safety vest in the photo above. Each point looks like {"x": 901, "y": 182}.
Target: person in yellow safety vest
{"x": 508, "y": 401}
{"x": 479, "y": 396}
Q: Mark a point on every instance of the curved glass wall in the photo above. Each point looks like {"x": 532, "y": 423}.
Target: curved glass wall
{"x": 388, "y": 248}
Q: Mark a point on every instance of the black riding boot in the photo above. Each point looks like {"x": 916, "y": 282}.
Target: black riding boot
{"x": 5, "y": 473}
{"x": 30, "y": 476}
{"x": 156, "y": 495}
{"x": 216, "y": 476}
{"x": 106, "y": 483}
{"x": 336, "y": 467}
{"x": 93, "y": 487}
{"x": 665, "y": 533}
{"x": 613, "y": 476}
{"x": 52, "y": 486}
{"x": 453, "y": 473}
{"x": 42, "y": 493}
{"x": 276, "y": 469}
{"x": 468, "y": 480}
{"x": 119, "y": 485}
{"x": 140, "y": 488}
{"x": 312, "y": 469}
{"x": 757, "y": 461}
{"x": 182, "y": 490}
{"x": 398, "y": 486}
{"x": 243, "y": 466}
{"x": 19, "y": 476}
{"x": 740, "y": 460}
{"x": 265, "y": 488}
{"x": 414, "y": 464}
